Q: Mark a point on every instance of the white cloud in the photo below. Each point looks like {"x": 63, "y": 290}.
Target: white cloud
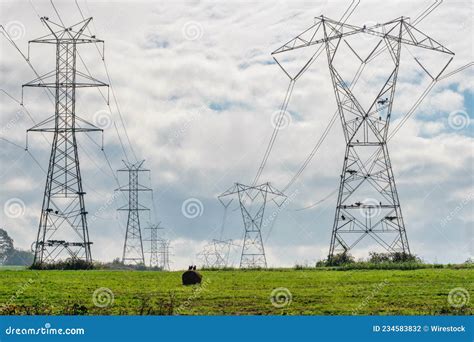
{"x": 161, "y": 79}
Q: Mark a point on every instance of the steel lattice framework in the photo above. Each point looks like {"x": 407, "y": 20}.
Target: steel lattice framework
{"x": 216, "y": 254}
{"x": 164, "y": 254}
{"x": 253, "y": 251}
{"x": 63, "y": 231}
{"x": 133, "y": 245}
{"x": 366, "y": 163}
{"x": 154, "y": 257}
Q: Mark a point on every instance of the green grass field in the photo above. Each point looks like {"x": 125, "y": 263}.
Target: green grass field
{"x": 234, "y": 292}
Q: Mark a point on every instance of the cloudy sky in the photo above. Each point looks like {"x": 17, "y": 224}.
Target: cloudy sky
{"x": 198, "y": 89}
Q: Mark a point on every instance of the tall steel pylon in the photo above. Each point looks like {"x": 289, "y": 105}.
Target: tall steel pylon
{"x": 368, "y": 202}
{"x": 63, "y": 232}
{"x": 133, "y": 245}
{"x": 253, "y": 197}
{"x": 154, "y": 244}
{"x": 164, "y": 254}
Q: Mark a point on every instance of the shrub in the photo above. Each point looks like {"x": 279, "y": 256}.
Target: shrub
{"x": 340, "y": 259}
{"x": 69, "y": 264}
{"x": 378, "y": 258}
{"x": 404, "y": 257}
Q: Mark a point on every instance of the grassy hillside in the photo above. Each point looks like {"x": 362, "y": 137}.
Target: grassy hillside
{"x": 235, "y": 292}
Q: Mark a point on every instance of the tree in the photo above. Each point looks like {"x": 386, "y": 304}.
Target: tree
{"x": 18, "y": 257}
{"x": 11, "y": 256}
{"x": 6, "y": 245}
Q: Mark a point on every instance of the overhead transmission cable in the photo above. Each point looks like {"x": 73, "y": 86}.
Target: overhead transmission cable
{"x": 122, "y": 121}
{"x": 283, "y": 109}
{"x": 417, "y": 20}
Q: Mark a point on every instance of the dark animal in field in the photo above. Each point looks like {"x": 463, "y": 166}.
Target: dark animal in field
{"x": 191, "y": 277}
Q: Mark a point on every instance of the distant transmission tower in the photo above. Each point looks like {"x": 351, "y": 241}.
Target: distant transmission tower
{"x": 253, "y": 197}
{"x": 63, "y": 231}
{"x": 164, "y": 254}
{"x": 133, "y": 246}
{"x": 368, "y": 203}
{"x": 216, "y": 254}
{"x": 154, "y": 244}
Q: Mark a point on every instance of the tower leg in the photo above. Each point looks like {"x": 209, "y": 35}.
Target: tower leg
{"x": 367, "y": 203}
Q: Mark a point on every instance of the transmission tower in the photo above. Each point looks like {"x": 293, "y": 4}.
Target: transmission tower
{"x": 216, "y": 254}
{"x": 253, "y": 197}
{"x": 164, "y": 254}
{"x": 154, "y": 259}
{"x": 63, "y": 231}
{"x": 368, "y": 203}
{"x": 133, "y": 246}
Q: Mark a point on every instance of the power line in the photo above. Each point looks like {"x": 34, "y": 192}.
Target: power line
{"x": 283, "y": 109}
{"x": 417, "y": 20}
{"x": 113, "y": 91}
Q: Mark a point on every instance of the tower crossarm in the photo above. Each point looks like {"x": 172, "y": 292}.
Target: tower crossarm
{"x": 411, "y": 35}
{"x": 63, "y": 210}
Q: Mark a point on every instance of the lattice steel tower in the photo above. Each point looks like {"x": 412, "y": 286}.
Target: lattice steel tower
{"x": 154, "y": 240}
{"x": 367, "y": 203}
{"x": 133, "y": 245}
{"x": 216, "y": 254}
{"x": 253, "y": 251}
{"x": 164, "y": 254}
{"x": 63, "y": 231}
